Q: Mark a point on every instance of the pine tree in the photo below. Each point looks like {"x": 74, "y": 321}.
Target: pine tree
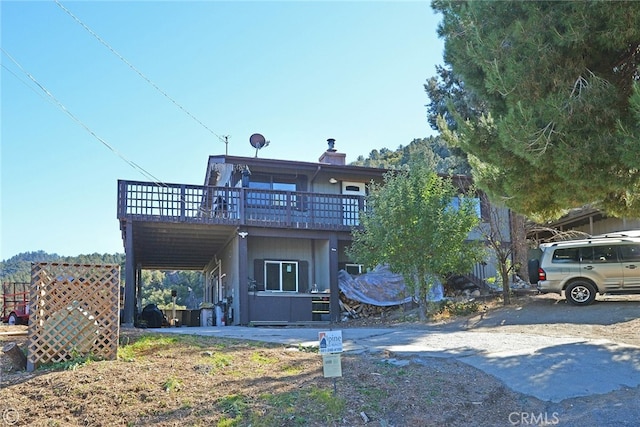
{"x": 560, "y": 82}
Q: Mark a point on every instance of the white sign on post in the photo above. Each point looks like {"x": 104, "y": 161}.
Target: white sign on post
{"x": 330, "y": 349}
{"x": 330, "y": 342}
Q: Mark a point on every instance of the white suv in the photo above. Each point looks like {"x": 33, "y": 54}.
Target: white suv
{"x": 607, "y": 264}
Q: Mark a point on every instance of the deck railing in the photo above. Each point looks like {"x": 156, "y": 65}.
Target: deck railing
{"x": 237, "y": 206}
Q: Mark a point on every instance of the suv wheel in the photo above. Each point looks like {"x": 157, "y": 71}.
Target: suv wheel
{"x": 580, "y": 292}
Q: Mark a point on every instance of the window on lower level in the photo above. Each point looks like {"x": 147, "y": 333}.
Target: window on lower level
{"x": 281, "y": 276}
{"x": 354, "y": 269}
{"x": 456, "y": 203}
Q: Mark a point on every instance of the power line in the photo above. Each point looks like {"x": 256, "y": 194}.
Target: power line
{"x": 123, "y": 59}
{"x": 25, "y": 83}
{"x": 59, "y": 104}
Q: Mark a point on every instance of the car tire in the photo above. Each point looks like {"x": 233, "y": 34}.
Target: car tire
{"x": 13, "y": 319}
{"x": 580, "y": 292}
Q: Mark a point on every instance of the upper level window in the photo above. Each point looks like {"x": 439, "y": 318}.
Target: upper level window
{"x": 277, "y": 195}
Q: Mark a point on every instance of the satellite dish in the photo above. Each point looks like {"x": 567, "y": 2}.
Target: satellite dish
{"x": 257, "y": 141}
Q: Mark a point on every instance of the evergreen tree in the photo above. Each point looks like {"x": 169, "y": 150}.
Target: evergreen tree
{"x": 560, "y": 83}
{"x": 432, "y": 152}
{"x": 449, "y": 97}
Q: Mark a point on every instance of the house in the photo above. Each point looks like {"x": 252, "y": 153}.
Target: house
{"x": 269, "y": 235}
{"x": 587, "y": 220}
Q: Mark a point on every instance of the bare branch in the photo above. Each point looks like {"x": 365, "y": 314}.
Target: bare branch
{"x": 552, "y": 234}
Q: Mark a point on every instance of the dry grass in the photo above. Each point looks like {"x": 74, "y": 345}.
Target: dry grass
{"x": 169, "y": 380}
{"x": 197, "y": 381}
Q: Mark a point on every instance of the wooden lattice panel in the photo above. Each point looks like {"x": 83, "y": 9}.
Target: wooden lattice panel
{"x": 74, "y": 311}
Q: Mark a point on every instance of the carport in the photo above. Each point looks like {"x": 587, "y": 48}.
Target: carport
{"x": 160, "y": 245}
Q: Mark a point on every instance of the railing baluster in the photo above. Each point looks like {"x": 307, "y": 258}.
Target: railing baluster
{"x": 288, "y": 207}
{"x": 182, "y": 203}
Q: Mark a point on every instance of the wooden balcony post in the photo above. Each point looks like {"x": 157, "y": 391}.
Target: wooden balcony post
{"x": 243, "y": 286}
{"x": 334, "y": 295}
{"x": 241, "y": 205}
{"x": 289, "y": 208}
{"x": 130, "y": 277}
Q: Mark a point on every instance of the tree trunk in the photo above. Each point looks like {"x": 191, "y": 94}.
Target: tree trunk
{"x": 15, "y": 354}
{"x": 422, "y": 303}
{"x": 506, "y": 289}
{"x": 520, "y": 246}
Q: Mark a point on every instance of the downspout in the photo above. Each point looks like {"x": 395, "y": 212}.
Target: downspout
{"x": 313, "y": 178}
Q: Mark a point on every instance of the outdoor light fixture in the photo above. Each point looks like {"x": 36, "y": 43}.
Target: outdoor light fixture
{"x": 333, "y": 181}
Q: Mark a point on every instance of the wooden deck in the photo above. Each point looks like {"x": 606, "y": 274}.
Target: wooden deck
{"x": 181, "y": 203}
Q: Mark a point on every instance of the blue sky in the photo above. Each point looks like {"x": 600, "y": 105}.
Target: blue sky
{"x": 296, "y": 72}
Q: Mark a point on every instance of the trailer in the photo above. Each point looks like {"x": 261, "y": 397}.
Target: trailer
{"x": 15, "y": 303}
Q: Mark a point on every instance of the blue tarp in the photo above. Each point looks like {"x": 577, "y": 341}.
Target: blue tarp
{"x": 381, "y": 287}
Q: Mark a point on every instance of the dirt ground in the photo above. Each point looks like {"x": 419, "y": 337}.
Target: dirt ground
{"x": 195, "y": 381}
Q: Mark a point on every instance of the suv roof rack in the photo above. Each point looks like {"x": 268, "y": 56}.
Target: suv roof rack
{"x": 595, "y": 239}
{"x": 618, "y": 234}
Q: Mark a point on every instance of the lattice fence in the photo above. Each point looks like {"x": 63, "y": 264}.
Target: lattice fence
{"x": 74, "y": 311}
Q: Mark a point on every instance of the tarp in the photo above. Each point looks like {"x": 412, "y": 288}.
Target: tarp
{"x": 381, "y": 287}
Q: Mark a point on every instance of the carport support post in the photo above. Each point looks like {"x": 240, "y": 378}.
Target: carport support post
{"x": 243, "y": 286}
{"x": 138, "y": 308}
{"x": 334, "y": 295}
{"x": 130, "y": 277}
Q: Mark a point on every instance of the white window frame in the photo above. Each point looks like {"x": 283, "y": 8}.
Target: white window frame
{"x": 360, "y": 268}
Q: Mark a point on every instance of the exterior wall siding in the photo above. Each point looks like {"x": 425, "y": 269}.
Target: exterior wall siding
{"x": 320, "y": 271}
{"x": 278, "y": 249}
{"x": 608, "y": 225}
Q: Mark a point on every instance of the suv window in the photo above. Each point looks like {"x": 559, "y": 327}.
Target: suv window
{"x": 599, "y": 254}
{"x": 630, "y": 253}
{"x": 565, "y": 255}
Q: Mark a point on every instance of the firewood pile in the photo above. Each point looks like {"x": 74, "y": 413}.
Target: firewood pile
{"x": 358, "y": 310}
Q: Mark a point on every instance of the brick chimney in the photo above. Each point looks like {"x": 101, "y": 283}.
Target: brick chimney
{"x": 332, "y": 156}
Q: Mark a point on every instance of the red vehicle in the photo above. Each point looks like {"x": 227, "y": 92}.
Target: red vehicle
{"x": 15, "y": 303}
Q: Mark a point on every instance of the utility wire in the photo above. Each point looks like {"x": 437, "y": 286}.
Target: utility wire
{"x": 26, "y": 83}
{"x": 52, "y": 99}
{"x": 81, "y": 123}
{"x": 155, "y": 86}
